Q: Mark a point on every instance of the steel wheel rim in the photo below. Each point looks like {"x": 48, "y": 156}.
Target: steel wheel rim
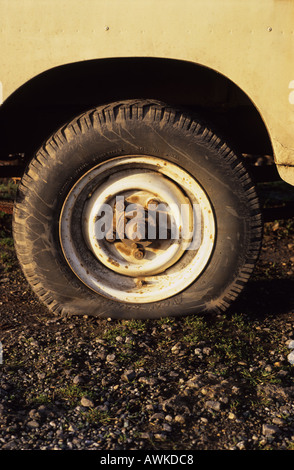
{"x": 112, "y": 272}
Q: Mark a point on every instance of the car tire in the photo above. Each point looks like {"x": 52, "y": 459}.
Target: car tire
{"x": 149, "y": 150}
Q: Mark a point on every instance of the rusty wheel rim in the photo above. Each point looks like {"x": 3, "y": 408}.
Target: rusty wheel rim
{"x": 112, "y": 236}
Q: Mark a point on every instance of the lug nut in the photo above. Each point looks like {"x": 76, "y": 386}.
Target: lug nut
{"x": 138, "y": 254}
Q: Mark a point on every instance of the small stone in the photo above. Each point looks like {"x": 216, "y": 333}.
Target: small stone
{"x": 78, "y": 379}
{"x": 291, "y": 344}
{"x": 33, "y": 424}
{"x": 34, "y": 414}
{"x": 11, "y": 445}
{"x": 278, "y": 421}
{"x": 275, "y": 226}
{"x": 146, "y": 435}
{"x": 232, "y": 416}
{"x": 110, "y": 357}
{"x": 282, "y": 373}
{"x": 241, "y": 445}
{"x": 168, "y": 418}
{"x": 224, "y": 400}
{"x": 290, "y": 357}
{"x": 150, "y": 407}
{"x": 128, "y": 375}
{"x": 59, "y": 433}
{"x": 148, "y": 380}
{"x": 206, "y": 351}
{"x": 175, "y": 351}
{"x": 269, "y": 430}
{"x": 173, "y": 374}
{"x": 194, "y": 382}
{"x": 157, "y": 416}
{"x": 213, "y": 405}
{"x": 166, "y": 427}
{"x": 179, "y": 419}
{"x": 87, "y": 402}
{"x": 198, "y": 351}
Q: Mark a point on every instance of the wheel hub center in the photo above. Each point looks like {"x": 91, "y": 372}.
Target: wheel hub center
{"x": 131, "y": 224}
{"x": 143, "y": 208}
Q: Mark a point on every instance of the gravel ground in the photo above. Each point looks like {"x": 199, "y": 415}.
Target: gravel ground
{"x": 223, "y": 382}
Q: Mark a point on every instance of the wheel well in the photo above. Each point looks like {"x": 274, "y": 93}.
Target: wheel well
{"x": 52, "y": 98}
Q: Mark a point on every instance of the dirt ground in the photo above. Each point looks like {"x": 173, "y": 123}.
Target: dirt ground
{"x": 244, "y": 397}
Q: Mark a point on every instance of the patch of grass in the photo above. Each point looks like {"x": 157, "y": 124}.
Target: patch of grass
{"x": 96, "y": 416}
{"x": 234, "y": 342}
{"x": 41, "y": 399}
{"x": 8, "y": 188}
{"x": 259, "y": 376}
{"x": 123, "y": 329}
{"x": 7, "y": 258}
{"x": 197, "y": 330}
{"x": 7, "y": 254}
{"x": 112, "y": 332}
{"x": 138, "y": 325}
{"x": 71, "y": 393}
